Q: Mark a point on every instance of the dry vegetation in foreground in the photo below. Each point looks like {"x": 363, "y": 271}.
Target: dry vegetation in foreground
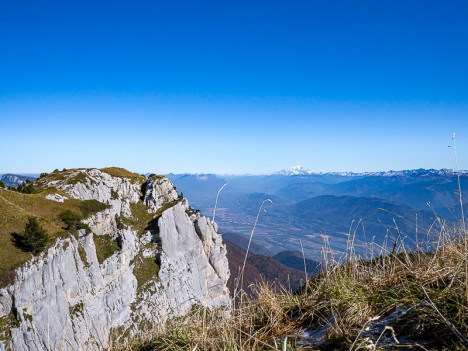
{"x": 399, "y": 301}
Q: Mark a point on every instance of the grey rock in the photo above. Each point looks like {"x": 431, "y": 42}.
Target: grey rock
{"x": 56, "y": 197}
{"x": 158, "y": 192}
{"x": 66, "y": 299}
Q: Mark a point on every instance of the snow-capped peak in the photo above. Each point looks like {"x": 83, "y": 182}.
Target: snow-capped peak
{"x": 301, "y": 171}
{"x": 296, "y": 170}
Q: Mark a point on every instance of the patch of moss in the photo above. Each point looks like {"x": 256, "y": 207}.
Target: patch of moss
{"x": 114, "y": 194}
{"x": 27, "y": 316}
{"x": 77, "y": 309}
{"x": 145, "y": 270}
{"x": 91, "y": 207}
{"x": 141, "y": 217}
{"x": 105, "y": 247}
{"x": 120, "y": 333}
{"x": 83, "y": 256}
{"x": 123, "y": 173}
{"x": 7, "y": 323}
{"x": 166, "y": 206}
{"x": 119, "y": 222}
{"x": 142, "y": 220}
{"x": 65, "y": 246}
{"x": 156, "y": 177}
{"x": 80, "y": 177}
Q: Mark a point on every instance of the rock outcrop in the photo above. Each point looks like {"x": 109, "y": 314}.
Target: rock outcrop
{"x": 74, "y": 297}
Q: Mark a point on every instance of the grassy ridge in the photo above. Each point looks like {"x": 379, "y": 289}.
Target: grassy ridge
{"x": 123, "y": 173}
{"x": 15, "y": 208}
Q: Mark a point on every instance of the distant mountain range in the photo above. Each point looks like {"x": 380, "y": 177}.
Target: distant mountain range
{"x": 14, "y": 180}
{"x": 373, "y": 207}
{"x": 421, "y": 172}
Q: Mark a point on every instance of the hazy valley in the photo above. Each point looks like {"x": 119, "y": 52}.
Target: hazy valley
{"x": 370, "y": 208}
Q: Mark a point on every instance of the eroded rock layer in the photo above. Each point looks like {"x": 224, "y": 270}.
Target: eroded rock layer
{"x": 81, "y": 295}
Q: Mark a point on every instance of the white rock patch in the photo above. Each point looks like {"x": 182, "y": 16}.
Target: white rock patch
{"x": 56, "y": 197}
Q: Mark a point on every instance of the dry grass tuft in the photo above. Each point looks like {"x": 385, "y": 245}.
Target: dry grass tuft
{"x": 350, "y": 298}
{"x": 260, "y": 324}
{"x": 123, "y": 173}
{"x": 352, "y": 294}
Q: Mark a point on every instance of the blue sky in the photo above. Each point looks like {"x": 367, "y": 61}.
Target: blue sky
{"x": 232, "y": 86}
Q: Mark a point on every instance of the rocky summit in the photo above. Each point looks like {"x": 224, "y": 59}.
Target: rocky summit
{"x": 145, "y": 256}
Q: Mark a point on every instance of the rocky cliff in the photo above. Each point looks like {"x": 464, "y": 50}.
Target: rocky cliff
{"x": 146, "y": 258}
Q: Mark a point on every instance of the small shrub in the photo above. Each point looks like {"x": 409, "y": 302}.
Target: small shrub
{"x": 2, "y": 184}
{"x": 34, "y": 238}
{"x": 114, "y": 194}
{"x": 72, "y": 221}
{"x": 192, "y": 211}
{"x": 25, "y": 188}
{"x": 44, "y": 174}
{"x": 120, "y": 225}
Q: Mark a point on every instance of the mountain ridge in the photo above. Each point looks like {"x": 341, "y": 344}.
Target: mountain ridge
{"x": 11, "y": 179}
{"x": 301, "y": 171}
{"x": 144, "y": 256}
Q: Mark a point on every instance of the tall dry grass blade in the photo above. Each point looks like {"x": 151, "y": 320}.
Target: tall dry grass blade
{"x": 460, "y": 197}
{"x": 216, "y": 202}
{"x": 250, "y": 240}
{"x": 305, "y": 266}
{"x": 450, "y": 325}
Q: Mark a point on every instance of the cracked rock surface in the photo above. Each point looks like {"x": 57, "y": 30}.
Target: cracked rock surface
{"x": 65, "y": 298}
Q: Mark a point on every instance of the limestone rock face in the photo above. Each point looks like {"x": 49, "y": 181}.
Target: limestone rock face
{"x": 158, "y": 192}
{"x": 98, "y": 185}
{"x": 72, "y": 298}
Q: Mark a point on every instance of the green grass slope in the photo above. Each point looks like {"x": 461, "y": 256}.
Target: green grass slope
{"x": 16, "y": 207}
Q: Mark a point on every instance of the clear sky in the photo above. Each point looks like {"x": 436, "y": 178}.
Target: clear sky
{"x": 232, "y": 86}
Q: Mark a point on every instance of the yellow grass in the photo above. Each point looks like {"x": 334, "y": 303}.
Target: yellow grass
{"x": 123, "y": 173}
{"x": 15, "y": 208}
{"x": 346, "y": 295}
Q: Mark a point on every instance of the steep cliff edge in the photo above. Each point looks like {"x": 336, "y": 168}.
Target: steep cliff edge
{"x": 147, "y": 258}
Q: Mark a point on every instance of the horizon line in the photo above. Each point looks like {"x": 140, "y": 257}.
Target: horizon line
{"x": 310, "y": 173}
